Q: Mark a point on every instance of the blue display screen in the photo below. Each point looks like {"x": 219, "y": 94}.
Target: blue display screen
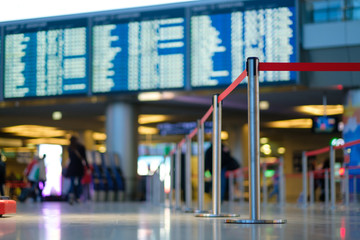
{"x": 45, "y": 59}
{"x": 139, "y": 55}
{"x": 222, "y": 41}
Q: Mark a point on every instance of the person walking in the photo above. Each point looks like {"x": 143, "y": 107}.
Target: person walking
{"x": 75, "y": 169}
{"x": 42, "y": 176}
{"x": 2, "y": 175}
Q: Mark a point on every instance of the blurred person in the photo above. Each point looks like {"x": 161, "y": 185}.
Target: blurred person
{"x": 75, "y": 169}
{"x": 228, "y": 163}
{"x": 275, "y": 185}
{"x": 42, "y": 176}
{"x": 31, "y": 173}
{"x": 2, "y": 175}
{"x": 86, "y": 182}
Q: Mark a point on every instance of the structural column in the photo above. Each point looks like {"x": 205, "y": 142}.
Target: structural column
{"x": 121, "y": 130}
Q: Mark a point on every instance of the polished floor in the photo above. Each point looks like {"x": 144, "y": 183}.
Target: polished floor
{"x": 59, "y": 220}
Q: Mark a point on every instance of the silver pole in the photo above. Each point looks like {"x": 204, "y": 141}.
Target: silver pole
{"x": 304, "y": 179}
{"x": 264, "y": 186}
{"x": 148, "y": 188}
{"x": 254, "y": 132}
{"x": 216, "y": 157}
{"x": 254, "y": 148}
{"x": 178, "y": 178}
{"x": 311, "y": 187}
{"x": 347, "y": 197}
{"x": 332, "y": 177}
{"x": 201, "y": 166}
{"x": 326, "y": 187}
{"x": 188, "y": 193}
{"x": 216, "y": 161}
{"x": 240, "y": 180}
{"x": 281, "y": 181}
{"x": 231, "y": 187}
{"x": 171, "y": 180}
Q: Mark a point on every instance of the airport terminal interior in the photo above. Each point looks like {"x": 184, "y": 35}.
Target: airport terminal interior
{"x": 173, "y": 142}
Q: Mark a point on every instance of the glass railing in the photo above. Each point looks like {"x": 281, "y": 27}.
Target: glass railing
{"x": 317, "y": 11}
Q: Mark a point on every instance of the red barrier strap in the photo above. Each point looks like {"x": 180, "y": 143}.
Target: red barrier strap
{"x": 348, "y": 144}
{"x": 207, "y": 114}
{"x": 192, "y": 134}
{"x": 181, "y": 142}
{"x": 232, "y": 86}
{"x": 309, "y": 66}
{"x": 316, "y": 152}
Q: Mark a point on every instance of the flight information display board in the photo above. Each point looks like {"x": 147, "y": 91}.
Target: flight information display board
{"x": 223, "y": 37}
{"x": 46, "y": 59}
{"x": 139, "y": 53}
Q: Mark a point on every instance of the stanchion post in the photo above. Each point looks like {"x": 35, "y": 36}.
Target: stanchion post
{"x": 254, "y": 146}
{"x": 326, "y": 187}
{"x": 347, "y": 196}
{"x": 188, "y": 193}
{"x": 264, "y": 186}
{"x": 304, "y": 179}
{"x": 216, "y": 163}
{"x": 231, "y": 187}
{"x": 311, "y": 187}
{"x": 148, "y": 189}
{"x": 332, "y": 177}
{"x": 282, "y": 181}
{"x": 178, "y": 178}
{"x": 240, "y": 180}
{"x": 171, "y": 180}
{"x": 201, "y": 166}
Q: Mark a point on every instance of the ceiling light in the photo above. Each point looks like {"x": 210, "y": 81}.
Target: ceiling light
{"x": 57, "y": 115}
{"x": 155, "y": 96}
{"x": 281, "y": 150}
{"x": 34, "y": 131}
{"x": 292, "y": 123}
{"x": 264, "y": 105}
{"x": 145, "y": 119}
{"x": 98, "y": 136}
{"x": 147, "y": 130}
{"x": 319, "y": 110}
{"x": 58, "y": 141}
{"x": 224, "y": 135}
{"x": 264, "y": 140}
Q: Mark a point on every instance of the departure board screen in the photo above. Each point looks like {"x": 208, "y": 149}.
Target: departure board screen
{"x": 46, "y": 59}
{"x": 139, "y": 54}
{"x": 222, "y": 40}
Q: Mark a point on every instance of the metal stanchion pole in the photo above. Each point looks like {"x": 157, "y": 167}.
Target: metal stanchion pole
{"x": 304, "y": 179}
{"x": 311, "y": 187}
{"x": 171, "y": 180}
{"x": 216, "y": 157}
{"x": 188, "y": 193}
{"x": 178, "y": 179}
{"x": 332, "y": 177}
{"x": 282, "y": 181}
{"x": 240, "y": 180}
{"x": 231, "y": 187}
{"x": 347, "y": 196}
{"x": 254, "y": 146}
{"x": 201, "y": 166}
{"x": 148, "y": 189}
{"x": 264, "y": 186}
{"x": 326, "y": 187}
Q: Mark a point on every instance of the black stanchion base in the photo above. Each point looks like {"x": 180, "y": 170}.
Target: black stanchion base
{"x": 212, "y": 215}
{"x": 255, "y": 221}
